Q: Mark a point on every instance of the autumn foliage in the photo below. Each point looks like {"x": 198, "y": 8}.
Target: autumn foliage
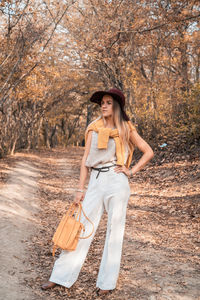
{"x": 54, "y": 54}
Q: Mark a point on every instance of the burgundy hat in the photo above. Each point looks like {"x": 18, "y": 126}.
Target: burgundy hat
{"x": 116, "y": 94}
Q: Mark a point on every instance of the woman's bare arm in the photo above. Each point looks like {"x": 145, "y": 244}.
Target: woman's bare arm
{"x": 84, "y": 169}
{"x": 139, "y": 142}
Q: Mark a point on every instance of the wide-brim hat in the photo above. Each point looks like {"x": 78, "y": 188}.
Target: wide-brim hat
{"x": 116, "y": 94}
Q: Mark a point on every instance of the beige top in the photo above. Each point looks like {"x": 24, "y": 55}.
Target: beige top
{"x": 99, "y": 157}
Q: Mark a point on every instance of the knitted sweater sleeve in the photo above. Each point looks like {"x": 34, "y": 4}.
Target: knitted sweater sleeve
{"x": 88, "y": 129}
{"x": 131, "y": 126}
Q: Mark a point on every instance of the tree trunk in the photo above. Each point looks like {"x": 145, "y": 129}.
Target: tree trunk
{"x": 46, "y": 136}
{"x": 13, "y": 145}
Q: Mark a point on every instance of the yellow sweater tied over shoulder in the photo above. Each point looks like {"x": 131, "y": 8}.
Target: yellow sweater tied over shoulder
{"x": 103, "y": 136}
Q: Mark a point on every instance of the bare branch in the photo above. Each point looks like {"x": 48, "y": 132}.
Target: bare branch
{"x": 56, "y": 24}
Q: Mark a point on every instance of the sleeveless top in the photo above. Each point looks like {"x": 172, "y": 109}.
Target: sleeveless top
{"x": 100, "y": 157}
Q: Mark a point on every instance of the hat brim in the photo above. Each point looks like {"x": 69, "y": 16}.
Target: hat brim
{"x": 97, "y": 97}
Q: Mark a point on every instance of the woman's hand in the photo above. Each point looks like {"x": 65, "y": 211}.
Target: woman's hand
{"x": 79, "y": 196}
{"x": 122, "y": 169}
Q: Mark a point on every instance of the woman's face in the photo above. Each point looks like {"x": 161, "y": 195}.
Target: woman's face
{"x": 107, "y": 106}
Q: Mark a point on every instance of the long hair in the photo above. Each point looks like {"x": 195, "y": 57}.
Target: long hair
{"x": 121, "y": 124}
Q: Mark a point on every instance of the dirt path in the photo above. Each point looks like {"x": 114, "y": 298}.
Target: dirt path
{"x": 17, "y": 205}
{"x": 161, "y": 245}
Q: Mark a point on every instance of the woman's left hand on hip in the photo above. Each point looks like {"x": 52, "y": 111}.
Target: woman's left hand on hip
{"x": 122, "y": 169}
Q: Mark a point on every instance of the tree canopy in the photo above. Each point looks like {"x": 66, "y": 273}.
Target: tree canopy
{"x": 55, "y": 54}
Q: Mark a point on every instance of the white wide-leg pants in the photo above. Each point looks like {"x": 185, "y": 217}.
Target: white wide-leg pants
{"x": 110, "y": 191}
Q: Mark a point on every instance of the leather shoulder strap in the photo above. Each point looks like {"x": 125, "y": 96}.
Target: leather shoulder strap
{"x": 85, "y": 237}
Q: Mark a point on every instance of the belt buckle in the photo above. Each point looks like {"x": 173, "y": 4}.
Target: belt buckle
{"x": 106, "y": 169}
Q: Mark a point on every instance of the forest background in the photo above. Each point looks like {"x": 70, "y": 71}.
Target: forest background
{"x": 55, "y": 54}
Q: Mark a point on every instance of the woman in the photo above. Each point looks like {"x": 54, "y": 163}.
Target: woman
{"x": 110, "y": 142}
